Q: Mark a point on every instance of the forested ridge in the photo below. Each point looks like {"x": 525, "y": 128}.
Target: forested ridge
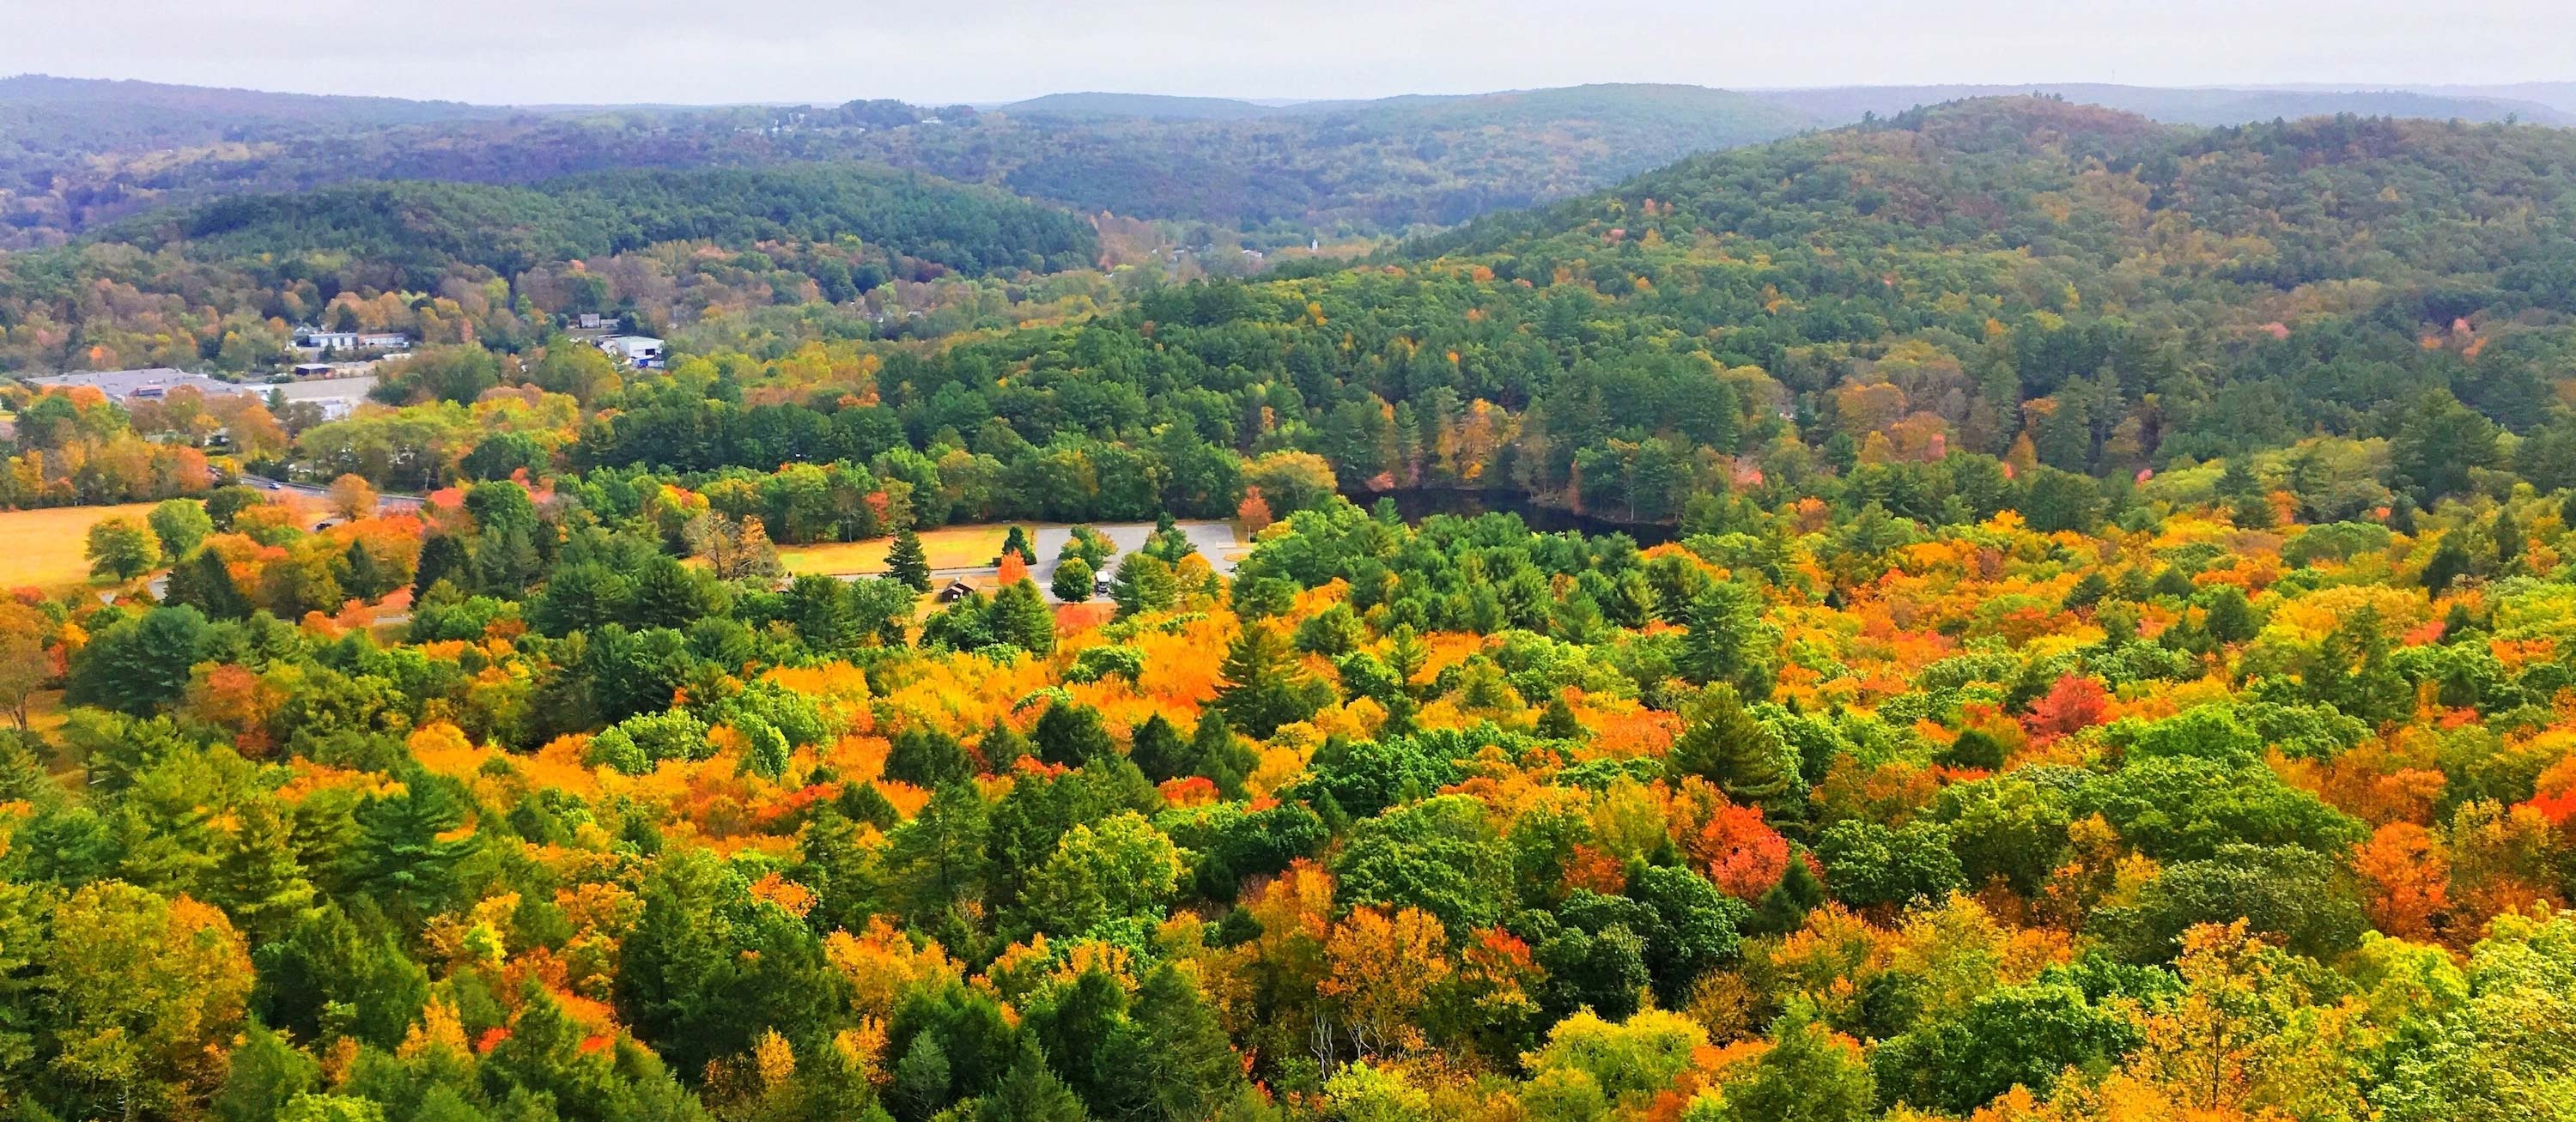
{"x": 2108, "y": 655}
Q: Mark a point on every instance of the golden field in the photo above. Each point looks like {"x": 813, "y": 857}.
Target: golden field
{"x": 43, "y": 547}
{"x": 948, "y": 547}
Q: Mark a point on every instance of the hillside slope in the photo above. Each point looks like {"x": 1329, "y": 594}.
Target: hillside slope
{"x": 2206, "y": 106}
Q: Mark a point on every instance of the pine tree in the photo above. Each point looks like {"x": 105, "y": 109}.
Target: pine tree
{"x": 1158, "y": 750}
{"x": 907, "y": 562}
{"x": 1016, "y": 540}
{"x": 405, "y": 857}
{"x": 1071, "y": 734}
{"x": 1723, "y": 744}
{"x": 442, "y": 557}
{"x": 1144, "y": 584}
{"x": 1021, "y": 618}
{"x": 667, "y": 594}
{"x": 1558, "y": 722}
{"x": 1171, "y": 1057}
{"x": 362, "y": 576}
{"x": 1728, "y": 642}
{"x": 2450, "y": 562}
{"x": 205, "y": 582}
{"x": 1027, "y": 1092}
{"x": 1217, "y": 756}
{"x": 256, "y": 878}
{"x": 936, "y": 862}
{"x": 1261, "y": 688}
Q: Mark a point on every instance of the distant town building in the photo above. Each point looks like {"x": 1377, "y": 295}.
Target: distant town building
{"x": 640, "y": 351}
{"x": 318, "y": 341}
{"x": 335, "y": 397}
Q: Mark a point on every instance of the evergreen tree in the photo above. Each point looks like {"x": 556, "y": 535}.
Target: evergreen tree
{"x": 1144, "y": 584}
{"x": 1021, "y": 618}
{"x": 907, "y": 562}
{"x": 667, "y": 594}
{"x": 1723, "y": 744}
{"x": 1158, "y": 750}
{"x": 139, "y": 665}
{"x": 205, "y": 582}
{"x": 407, "y": 857}
{"x": 362, "y": 576}
{"x": 1016, "y": 540}
{"x": 1557, "y": 721}
{"x": 442, "y": 557}
{"x": 2450, "y": 562}
{"x": 1261, "y": 687}
{"x": 1728, "y": 642}
{"x": 1028, "y": 1092}
{"x": 936, "y": 862}
{"x": 1071, "y": 735}
{"x": 1172, "y": 1057}
{"x": 1073, "y": 581}
{"x": 2231, "y": 616}
{"x": 256, "y": 878}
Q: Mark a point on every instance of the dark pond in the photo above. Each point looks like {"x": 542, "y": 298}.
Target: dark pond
{"x": 1418, "y": 505}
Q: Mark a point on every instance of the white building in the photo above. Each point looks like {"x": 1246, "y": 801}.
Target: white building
{"x": 641, "y": 351}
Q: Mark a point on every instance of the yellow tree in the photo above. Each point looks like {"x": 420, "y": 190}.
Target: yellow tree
{"x": 1382, "y": 969}
{"x": 25, "y": 664}
{"x": 2244, "y": 1040}
{"x": 153, "y": 990}
{"x": 351, "y": 498}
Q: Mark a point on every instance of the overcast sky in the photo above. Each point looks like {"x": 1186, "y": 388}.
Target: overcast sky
{"x": 709, "y": 51}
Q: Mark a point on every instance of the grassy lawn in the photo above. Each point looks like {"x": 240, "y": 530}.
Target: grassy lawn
{"x": 949, "y": 547}
{"x": 43, "y": 547}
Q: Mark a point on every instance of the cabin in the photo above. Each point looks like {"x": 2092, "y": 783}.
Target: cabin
{"x": 957, "y": 590}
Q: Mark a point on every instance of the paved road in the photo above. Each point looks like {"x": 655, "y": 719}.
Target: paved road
{"x": 384, "y": 502}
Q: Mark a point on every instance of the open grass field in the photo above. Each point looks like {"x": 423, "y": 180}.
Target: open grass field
{"x": 43, "y": 547}
{"x": 949, "y": 547}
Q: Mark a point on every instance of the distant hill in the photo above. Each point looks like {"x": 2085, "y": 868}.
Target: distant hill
{"x": 1324, "y": 167}
{"x": 41, "y": 114}
{"x": 2207, "y": 107}
{"x": 427, "y": 229}
{"x": 1087, "y": 106}
{"x": 2560, "y": 96}
{"x": 91, "y": 153}
{"x": 93, "y": 95}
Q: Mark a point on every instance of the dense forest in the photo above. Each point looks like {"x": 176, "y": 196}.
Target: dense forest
{"x": 2105, "y": 652}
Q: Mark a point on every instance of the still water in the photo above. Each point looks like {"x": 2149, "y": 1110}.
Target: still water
{"x": 1416, "y": 505}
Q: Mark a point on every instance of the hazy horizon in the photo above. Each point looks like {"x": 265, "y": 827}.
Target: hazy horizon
{"x": 615, "y": 52}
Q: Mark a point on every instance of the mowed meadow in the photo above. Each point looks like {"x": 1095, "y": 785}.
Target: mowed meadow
{"x": 42, "y": 548}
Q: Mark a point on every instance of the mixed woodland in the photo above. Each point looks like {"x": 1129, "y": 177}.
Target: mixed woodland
{"x": 2072, "y": 618}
